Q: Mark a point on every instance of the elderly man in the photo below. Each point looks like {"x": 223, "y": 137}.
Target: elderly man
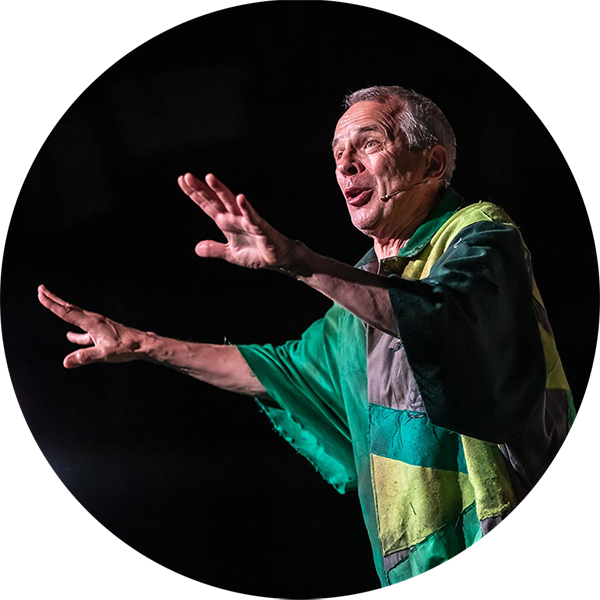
{"x": 433, "y": 384}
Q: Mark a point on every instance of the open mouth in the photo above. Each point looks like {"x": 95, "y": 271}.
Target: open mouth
{"x": 356, "y": 196}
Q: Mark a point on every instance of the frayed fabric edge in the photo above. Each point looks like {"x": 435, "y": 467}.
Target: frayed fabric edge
{"x": 340, "y": 486}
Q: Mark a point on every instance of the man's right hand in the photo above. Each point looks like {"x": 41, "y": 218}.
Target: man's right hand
{"x": 104, "y": 340}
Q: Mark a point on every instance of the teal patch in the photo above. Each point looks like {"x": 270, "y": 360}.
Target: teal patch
{"x": 411, "y": 437}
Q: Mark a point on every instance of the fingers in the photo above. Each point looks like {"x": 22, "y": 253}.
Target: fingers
{"x": 255, "y": 224}
{"x": 224, "y": 194}
{"x": 213, "y": 197}
{"x": 67, "y": 312}
{"x": 76, "y": 316}
{"x": 83, "y": 339}
{"x": 247, "y": 211}
{"x": 202, "y": 195}
{"x": 43, "y": 290}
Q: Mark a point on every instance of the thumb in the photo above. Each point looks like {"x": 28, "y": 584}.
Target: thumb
{"x": 211, "y": 249}
{"x": 82, "y": 357}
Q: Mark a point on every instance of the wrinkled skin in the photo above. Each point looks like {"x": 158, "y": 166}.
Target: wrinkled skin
{"x": 371, "y": 152}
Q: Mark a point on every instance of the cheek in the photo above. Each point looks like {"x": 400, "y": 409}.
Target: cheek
{"x": 403, "y": 164}
{"x": 384, "y": 166}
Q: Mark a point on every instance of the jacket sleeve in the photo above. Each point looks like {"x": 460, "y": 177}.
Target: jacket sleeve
{"x": 471, "y": 334}
{"x": 305, "y": 402}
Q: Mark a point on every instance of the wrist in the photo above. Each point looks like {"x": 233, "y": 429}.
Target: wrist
{"x": 299, "y": 261}
{"x": 146, "y": 346}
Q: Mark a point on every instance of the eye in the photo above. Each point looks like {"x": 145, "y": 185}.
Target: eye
{"x": 371, "y": 144}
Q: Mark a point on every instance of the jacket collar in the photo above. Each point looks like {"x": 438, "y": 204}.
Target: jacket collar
{"x": 450, "y": 202}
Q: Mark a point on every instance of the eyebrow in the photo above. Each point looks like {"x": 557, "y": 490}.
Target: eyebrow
{"x": 360, "y": 130}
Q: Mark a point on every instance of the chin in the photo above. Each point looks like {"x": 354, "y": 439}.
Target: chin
{"x": 365, "y": 220}
{"x": 365, "y": 227}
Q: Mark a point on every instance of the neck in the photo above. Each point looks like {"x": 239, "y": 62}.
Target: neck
{"x": 389, "y": 243}
{"x": 389, "y": 248}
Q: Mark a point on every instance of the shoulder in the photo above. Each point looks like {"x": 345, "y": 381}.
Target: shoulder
{"x": 473, "y": 217}
{"x": 472, "y": 225}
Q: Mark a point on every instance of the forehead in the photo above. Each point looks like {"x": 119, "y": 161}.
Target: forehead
{"x": 368, "y": 114}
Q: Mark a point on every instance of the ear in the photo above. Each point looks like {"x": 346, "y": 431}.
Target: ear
{"x": 438, "y": 162}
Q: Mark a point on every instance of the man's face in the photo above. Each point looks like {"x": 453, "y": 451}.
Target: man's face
{"x": 372, "y": 160}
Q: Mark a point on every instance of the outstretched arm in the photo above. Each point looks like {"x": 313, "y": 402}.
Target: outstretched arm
{"x": 253, "y": 243}
{"x": 105, "y": 340}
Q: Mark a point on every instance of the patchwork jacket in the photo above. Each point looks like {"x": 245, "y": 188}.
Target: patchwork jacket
{"x": 444, "y": 429}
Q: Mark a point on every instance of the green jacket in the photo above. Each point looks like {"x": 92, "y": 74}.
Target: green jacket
{"x": 446, "y": 428}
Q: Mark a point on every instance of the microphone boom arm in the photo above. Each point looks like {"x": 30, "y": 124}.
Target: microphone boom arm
{"x": 404, "y": 189}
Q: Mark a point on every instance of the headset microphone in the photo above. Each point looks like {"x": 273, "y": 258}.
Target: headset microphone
{"x": 408, "y": 187}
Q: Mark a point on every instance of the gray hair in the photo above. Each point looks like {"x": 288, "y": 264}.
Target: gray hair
{"x": 420, "y": 120}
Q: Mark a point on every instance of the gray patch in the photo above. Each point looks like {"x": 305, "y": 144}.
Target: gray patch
{"x": 391, "y": 560}
{"x": 391, "y": 381}
{"x": 528, "y": 452}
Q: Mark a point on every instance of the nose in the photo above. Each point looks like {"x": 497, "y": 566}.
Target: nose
{"x": 348, "y": 163}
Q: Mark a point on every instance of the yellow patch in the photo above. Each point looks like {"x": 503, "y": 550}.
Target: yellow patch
{"x": 413, "y": 502}
{"x": 555, "y": 375}
{"x": 489, "y": 477}
{"x": 420, "y": 267}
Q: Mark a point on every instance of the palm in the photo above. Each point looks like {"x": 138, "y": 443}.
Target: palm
{"x": 251, "y": 241}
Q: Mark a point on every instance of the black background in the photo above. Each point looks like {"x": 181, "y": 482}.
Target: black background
{"x": 190, "y": 476}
